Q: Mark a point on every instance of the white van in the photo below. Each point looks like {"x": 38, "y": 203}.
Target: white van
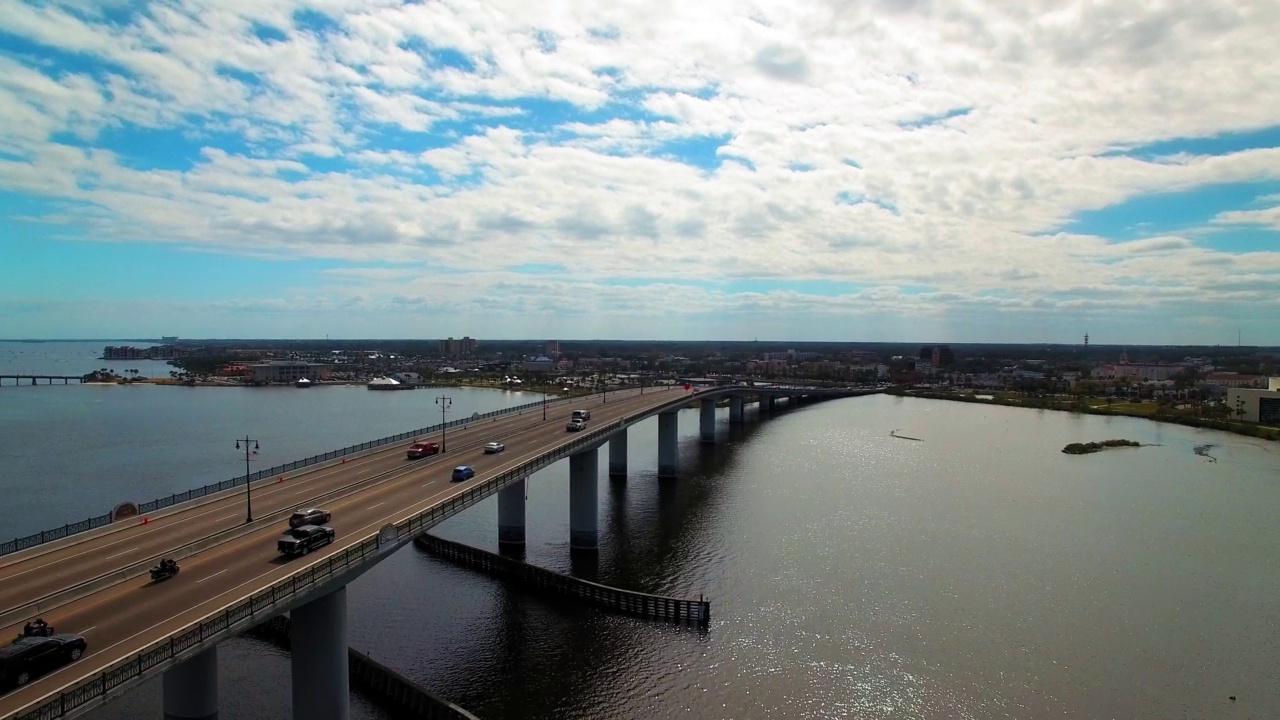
{"x": 583, "y": 415}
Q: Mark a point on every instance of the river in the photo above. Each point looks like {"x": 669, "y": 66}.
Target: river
{"x": 977, "y": 573}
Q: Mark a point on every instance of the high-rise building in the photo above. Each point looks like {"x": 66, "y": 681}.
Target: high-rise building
{"x": 938, "y": 355}
{"x": 553, "y": 348}
{"x": 454, "y": 348}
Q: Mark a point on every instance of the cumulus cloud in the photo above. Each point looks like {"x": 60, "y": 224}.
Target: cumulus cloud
{"x": 890, "y": 145}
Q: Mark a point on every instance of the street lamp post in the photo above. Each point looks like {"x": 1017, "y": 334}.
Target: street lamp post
{"x": 444, "y": 402}
{"x": 544, "y": 403}
{"x": 248, "y": 486}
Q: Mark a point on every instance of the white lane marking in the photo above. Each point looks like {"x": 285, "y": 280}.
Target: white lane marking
{"x": 314, "y": 474}
{"x": 126, "y": 552}
{"x": 88, "y": 629}
{"x": 213, "y": 575}
{"x": 384, "y": 502}
{"x": 414, "y": 511}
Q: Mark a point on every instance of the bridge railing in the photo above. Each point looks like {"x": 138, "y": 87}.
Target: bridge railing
{"x": 261, "y": 605}
{"x": 44, "y": 536}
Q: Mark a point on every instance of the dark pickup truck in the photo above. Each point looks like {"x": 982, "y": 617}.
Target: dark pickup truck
{"x": 302, "y": 540}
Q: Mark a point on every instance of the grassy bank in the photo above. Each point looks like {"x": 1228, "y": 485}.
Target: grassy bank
{"x": 1101, "y": 406}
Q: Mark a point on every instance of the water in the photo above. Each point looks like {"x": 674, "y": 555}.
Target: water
{"x": 980, "y": 573}
{"x": 72, "y": 358}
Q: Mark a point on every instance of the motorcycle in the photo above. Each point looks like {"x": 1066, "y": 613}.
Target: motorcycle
{"x": 164, "y": 570}
{"x": 37, "y": 629}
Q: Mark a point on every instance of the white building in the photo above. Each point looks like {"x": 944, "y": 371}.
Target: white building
{"x": 1255, "y": 404}
{"x": 288, "y": 371}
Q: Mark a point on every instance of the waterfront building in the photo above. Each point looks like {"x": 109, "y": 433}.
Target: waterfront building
{"x": 279, "y": 371}
{"x": 1255, "y": 404}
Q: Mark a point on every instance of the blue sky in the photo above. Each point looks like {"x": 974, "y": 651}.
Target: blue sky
{"x": 419, "y": 170}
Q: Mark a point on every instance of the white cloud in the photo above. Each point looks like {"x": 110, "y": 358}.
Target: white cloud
{"x": 829, "y": 102}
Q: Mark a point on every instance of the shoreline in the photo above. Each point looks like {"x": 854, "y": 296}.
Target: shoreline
{"x": 1245, "y": 430}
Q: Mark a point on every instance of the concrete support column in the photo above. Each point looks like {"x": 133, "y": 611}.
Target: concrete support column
{"x": 318, "y": 638}
{"x": 668, "y": 444}
{"x": 191, "y": 688}
{"x": 767, "y": 403}
{"x": 736, "y": 413}
{"x": 584, "y": 505}
{"x": 706, "y": 422}
{"x": 618, "y": 454}
{"x": 511, "y": 513}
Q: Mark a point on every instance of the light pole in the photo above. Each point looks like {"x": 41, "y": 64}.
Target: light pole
{"x": 544, "y": 403}
{"x": 248, "y": 486}
{"x": 444, "y": 402}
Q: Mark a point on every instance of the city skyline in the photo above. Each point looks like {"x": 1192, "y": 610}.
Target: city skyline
{"x": 802, "y": 171}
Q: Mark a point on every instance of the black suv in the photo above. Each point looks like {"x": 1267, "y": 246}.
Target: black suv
{"x": 30, "y": 657}
{"x": 309, "y": 516}
{"x": 302, "y": 540}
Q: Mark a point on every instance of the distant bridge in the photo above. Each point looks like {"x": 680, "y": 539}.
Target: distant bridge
{"x": 35, "y": 379}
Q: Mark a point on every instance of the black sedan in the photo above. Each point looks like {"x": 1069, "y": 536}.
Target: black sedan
{"x": 30, "y": 657}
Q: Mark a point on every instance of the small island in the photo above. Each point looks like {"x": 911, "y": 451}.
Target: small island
{"x": 1093, "y": 447}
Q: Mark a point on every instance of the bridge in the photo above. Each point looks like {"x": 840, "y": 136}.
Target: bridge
{"x": 35, "y": 379}
{"x": 93, "y": 583}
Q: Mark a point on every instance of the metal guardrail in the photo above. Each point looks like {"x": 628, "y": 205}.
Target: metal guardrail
{"x": 92, "y": 523}
{"x": 252, "y": 609}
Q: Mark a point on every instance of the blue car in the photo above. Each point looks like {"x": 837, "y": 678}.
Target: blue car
{"x": 463, "y": 472}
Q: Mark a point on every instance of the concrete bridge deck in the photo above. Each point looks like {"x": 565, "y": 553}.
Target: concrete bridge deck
{"x": 230, "y": 564}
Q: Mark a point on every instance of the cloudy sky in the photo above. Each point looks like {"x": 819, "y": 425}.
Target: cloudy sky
{"x": 949, "y": 170}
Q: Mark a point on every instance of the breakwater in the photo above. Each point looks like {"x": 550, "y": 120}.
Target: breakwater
{"x": 386, "y": 686}
{"x": 548, "y": 582}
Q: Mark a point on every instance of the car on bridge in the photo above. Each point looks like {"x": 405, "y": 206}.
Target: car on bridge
{"x": 583, "y": 415}
{"x": 494, "y": 447}
{"x": 302, "y": 540}
{"x": 575, "y": 426}
{"x": 463, "y": 472}
{"x": 421, "y": 450}
{"x": 310, "y": 516}
{"x": 30, "y": 657}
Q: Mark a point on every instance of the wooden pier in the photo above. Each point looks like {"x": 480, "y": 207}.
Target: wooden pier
{"x": 35, "y": 379}
{"x": 541, "y": 580}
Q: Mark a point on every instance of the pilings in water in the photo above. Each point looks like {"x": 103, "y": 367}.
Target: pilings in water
{"x": 511, "y": 513}
{"x": 618, "y": 455}
{"x": 541, "y": 580}
{"x": 668, "y": 444}
{"x": 584, "y": 500}
{"x": 377, "y": 681}
{"x": 706, "y": 422}
{"x": 321, "y": 678}
{"x": 191, "y": 688}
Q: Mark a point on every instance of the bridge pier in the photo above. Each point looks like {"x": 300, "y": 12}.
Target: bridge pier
{"x": 318, "y": 636}
{"x": 191, "y": 688}
{"x": 766, "y": 403}
{"x": 737, "y": 409}
{"x": 584, "y": 505}
{"x": 618, "y": 454}
{"x": 668, "y": 444}
{"x": 511, "y": 513}
{"x": 706, "y": 423}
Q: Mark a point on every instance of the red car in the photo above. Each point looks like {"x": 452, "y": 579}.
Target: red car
{"x": 421, "y": 450}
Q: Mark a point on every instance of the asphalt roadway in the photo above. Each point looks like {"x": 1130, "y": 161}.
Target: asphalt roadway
{"x": 121, "y": 620}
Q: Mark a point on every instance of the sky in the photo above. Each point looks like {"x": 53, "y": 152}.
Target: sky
{"x": 840, "y": 170}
